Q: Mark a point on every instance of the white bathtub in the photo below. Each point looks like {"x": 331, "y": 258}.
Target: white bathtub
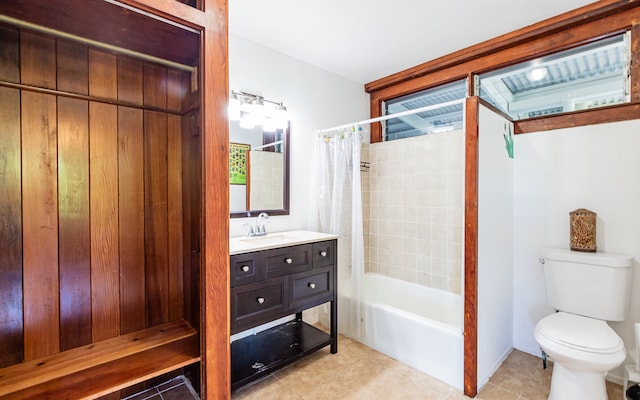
{"x": 415, "y": 324}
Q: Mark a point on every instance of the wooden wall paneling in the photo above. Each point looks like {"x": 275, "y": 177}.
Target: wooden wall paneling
{"x": 191, "y": 214}
{"x": 11, "y": 327}
{"x": 40, "y": 225}
{"x": 156, "y": 213}
{"x": 155, "y": 86}
{"x": 130, "y": 80}
{"x": 131, "y": 217}
{"x": 105, "y": 274}
{"x": 471, "y": 249}
{"x": 103, "y": 75}
{"x": 9, "y": 54}
{"x": 178, "y": 85}
{"x": 73, "y": 67}
{"x": 74, "y": 224}
{"x": 37, "y": 60}
{"x": 174, "y": 210}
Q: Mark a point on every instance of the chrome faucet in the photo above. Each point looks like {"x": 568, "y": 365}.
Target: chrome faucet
{"x": 259, "y": 229}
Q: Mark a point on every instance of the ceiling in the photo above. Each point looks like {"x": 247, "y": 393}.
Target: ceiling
{"x": 364, "y": 40}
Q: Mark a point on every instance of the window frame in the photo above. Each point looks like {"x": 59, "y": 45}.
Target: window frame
{"x": 582, "y": 26}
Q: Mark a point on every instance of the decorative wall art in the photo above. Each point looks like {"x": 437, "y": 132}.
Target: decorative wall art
{"x": 238, "y": 163}
{"x": 508, "y": 139}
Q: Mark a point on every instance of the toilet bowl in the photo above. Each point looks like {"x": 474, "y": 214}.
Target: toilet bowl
{"x": 583, "y": 350}
{"x": 587, "y": 290}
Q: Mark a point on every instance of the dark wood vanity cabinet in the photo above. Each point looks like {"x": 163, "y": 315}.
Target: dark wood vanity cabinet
{"x": 271, "y": 284}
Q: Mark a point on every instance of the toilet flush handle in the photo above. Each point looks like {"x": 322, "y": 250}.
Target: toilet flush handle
{"x": 542, "y": 260}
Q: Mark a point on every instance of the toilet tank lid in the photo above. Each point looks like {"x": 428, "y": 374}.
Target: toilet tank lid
{"x": 596, "y": 258}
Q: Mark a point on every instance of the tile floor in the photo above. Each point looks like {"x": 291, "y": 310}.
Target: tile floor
{"x": 358, "y": 372}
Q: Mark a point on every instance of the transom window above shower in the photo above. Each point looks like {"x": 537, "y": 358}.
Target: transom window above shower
{"x": 589, "y": 76}
{"x": 443, "y": 111}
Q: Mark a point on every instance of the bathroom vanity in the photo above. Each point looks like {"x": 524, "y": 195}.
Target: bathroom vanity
{"x": 273, "y": 277}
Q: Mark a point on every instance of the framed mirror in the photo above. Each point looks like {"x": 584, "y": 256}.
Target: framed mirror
{"x": 258, "y": 170}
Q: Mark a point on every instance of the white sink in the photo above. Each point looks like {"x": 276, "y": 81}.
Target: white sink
{"x": 275, "y": 238}
{"x": 243, "y": 244}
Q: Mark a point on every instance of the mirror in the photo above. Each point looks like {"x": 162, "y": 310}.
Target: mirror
{"x": 259, "y": 171}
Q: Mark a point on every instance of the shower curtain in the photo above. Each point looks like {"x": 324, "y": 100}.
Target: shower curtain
{"x": 339, "y": 211}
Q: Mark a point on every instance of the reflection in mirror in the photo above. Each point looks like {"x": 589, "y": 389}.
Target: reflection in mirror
{"x": 258, "y": 162}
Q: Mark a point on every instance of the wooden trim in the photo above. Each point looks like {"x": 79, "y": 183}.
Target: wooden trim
{"x": 171, "y": 10}
{"x": 471, "y": 249}
{"x": 376, "y": 129}
{"x": 603, "y": 115}
{"x": 568, "y": 20}
{"x": 634, "y": 73}
{"x": 215, "y": 327}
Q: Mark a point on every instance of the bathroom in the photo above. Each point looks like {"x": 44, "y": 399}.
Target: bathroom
{"x": 553, "y": 173}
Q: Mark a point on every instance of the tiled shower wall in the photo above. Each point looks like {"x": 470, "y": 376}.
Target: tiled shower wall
{"x": 413, "y": 205}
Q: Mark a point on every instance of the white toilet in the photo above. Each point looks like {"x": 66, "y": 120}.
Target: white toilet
{"x": 587, "y": 289}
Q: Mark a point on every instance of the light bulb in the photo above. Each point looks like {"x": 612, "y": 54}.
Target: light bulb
{"x": 234, "y": 108}
{"x": 282, "y": 117}
{"x": 538, "y": 74}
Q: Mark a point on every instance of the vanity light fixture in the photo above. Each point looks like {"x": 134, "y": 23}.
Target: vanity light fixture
{"x": 234, "y": 107}
{"x": 250, "y": 110}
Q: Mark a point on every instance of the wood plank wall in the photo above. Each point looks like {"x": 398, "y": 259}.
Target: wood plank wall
{"x": 91, "y": 211}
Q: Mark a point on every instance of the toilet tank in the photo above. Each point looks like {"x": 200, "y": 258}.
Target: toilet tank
{"x": 595, "y": 285}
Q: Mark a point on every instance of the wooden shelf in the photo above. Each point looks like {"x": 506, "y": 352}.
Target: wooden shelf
{"x": 94, "y": 370}
{"x": 260, "y": 354}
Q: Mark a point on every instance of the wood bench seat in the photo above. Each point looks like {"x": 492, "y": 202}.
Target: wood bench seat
{"x": 103, "y": 367}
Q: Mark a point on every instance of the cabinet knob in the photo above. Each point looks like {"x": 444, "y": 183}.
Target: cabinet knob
{"x": 323, "y": 254}
{"x": 245, "y": 268}
{"x": 260, "y": 300}
{"x": 312, "y": 285}
{"x": 288, "y": 260}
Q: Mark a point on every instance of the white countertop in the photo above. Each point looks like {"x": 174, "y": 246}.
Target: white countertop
{"x": 244, "y": 244}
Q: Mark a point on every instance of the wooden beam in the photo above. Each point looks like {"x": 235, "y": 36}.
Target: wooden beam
{"x": 215, "y": 327}
{"x": 471, "y": 249}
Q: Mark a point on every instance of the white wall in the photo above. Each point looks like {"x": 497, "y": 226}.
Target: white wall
{"x": 595, "y": 167}
{"x": 495, "y": 245}
{"x": 315, "y": 99}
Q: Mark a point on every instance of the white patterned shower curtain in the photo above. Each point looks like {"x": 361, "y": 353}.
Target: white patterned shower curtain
{"x": 339, "y": 211}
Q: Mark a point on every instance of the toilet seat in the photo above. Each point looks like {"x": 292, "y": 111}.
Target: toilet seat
{"x": 580, "y": 333}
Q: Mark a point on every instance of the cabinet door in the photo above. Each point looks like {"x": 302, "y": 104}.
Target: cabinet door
{"x": 257, "y": 303}
{"x": 247, "y": 268}
{"x": 288, "y": 260}
{"x": 311, "y": 288}
{"x": 324, "y": 254}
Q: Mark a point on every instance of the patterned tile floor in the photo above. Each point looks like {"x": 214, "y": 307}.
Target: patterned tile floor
{"x": 360, "y": 373}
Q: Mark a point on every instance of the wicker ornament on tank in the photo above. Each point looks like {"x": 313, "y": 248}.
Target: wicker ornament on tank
{"x": 582, "y": 230}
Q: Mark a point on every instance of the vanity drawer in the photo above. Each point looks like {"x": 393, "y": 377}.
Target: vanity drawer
{"x": 258, "y": 302}
{"x": 288, "y": 260}
{"x": 247, "y": 268}
{"x": 324, "y": 254}
{"x": 314, "y": 287}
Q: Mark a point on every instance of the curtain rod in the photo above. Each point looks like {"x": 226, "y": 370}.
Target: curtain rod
{"x": 396, "y": 115}
{"x": 95, "y": 43}
{"x": 266, "y": 145}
